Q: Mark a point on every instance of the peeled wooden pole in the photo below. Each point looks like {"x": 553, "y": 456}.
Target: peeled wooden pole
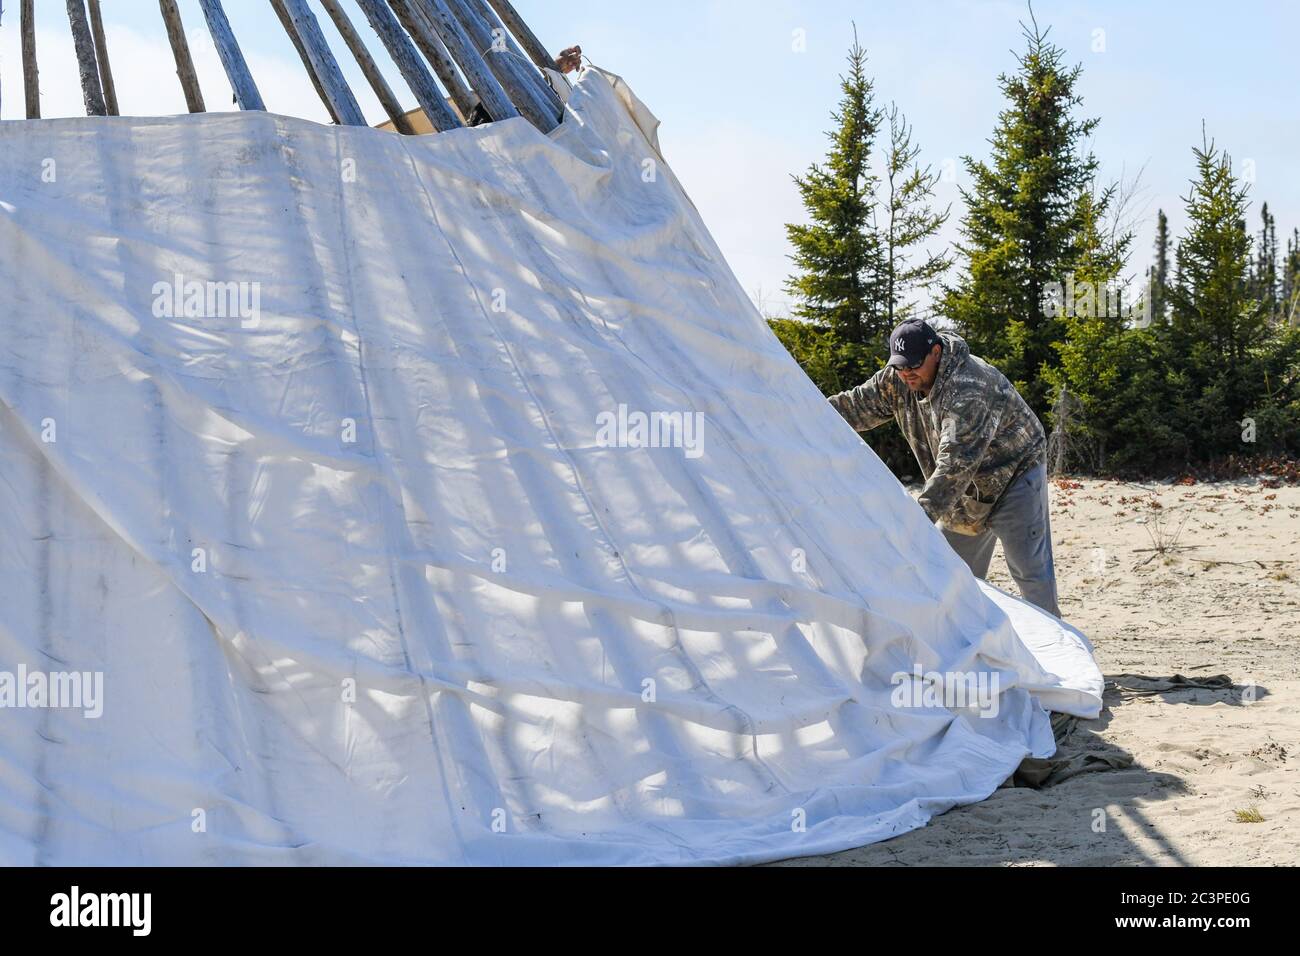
{"x": 517, "y": 56}
{"x": 383, "y": 92}
{"x": 232, "y": 59}
{"x": 287, "y": 22}
{"x": 87, "y": 68}
{"x": 521, "y": 82}
{"x": 495, "y": 99}
{"x": 420, "y": 28}
{"x": 101, "y": 58}
{"x": 407, "y": 58}
{"x": 534, "y": 48}
{"x": 181, "y": 53}
{"x": 327, "y": 67}
{"x": 526, "y": 37}
{"x": 494, "y": 23}
{"x": 323, "y": 69}
{"x": 31, "y": 75}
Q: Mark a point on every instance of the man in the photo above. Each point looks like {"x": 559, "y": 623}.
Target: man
{"x": 980, "y": 447}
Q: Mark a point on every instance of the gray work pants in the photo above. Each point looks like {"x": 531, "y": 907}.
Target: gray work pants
{"x": 1021, "y": 522}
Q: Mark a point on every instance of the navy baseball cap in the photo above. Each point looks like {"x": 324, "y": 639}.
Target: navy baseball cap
{"x": 910, "y": 343}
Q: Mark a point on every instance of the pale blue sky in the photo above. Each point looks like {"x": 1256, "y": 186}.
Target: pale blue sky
{"x": 742, "y": 110}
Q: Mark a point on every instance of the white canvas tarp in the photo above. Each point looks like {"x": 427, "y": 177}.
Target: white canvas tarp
{"x": 319, "y": 447}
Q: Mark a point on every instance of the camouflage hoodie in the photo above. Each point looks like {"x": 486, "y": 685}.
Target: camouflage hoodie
{"x": 972, "y": 435}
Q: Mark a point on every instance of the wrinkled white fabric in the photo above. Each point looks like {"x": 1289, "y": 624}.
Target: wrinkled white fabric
{"x": 476, "y": 633}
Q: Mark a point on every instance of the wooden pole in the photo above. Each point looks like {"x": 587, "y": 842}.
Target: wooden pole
{"x": 520, "y": 59}
{"x": 485, "y": 12}
{"x": 87, "y": 68}
{"x": 525, "y": 86}
{"x": 31, "y": 75}
{"x": 326, "y": 66}
{"x": 321, "y": 63}
{"x": 232, "y": 59}
{"x": 383, "y": 92}
{"x": 495, "y": 99}
{"x": 287, "y": 22}
{"x": 101, "y": 58}
{"x": 526, "y": 37}
{"x": 181, "y": 53}
{"x": 421, "y": 30}
{"x": 407, "y": 58}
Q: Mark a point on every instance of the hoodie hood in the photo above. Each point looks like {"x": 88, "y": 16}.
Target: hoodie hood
{"x": 955, "y": 354}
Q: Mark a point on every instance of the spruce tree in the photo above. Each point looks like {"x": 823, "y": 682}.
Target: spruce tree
{"x": 910, "y": 221}
{"x": 1024, "y": 223}
{"x": 861, "y": 256}
{"x": 1158, "y": 274}
{"x": 1102, "y": 364}
{"x": 1264, "y": 273}
{"x": 1289, "y": 307}
{"x": 1222, "y": 344}
{"x": 1214, "y": 311}
{"x": 839, "y": 253}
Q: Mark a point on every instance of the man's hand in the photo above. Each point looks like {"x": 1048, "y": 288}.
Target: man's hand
{"x": 570, "y": 59}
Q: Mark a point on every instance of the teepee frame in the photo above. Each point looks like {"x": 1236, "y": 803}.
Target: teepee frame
{"x": 465, "y": 62}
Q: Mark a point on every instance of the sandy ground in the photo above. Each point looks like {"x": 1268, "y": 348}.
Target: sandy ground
{"x": 1165, "y": 579}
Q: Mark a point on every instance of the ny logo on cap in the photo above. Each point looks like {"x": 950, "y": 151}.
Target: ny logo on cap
{"x": 898, "y": 346}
